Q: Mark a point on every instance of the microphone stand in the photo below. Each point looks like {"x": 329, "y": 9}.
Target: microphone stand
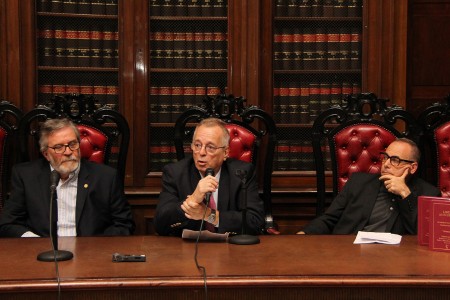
{"x": 243, "y": 238}
{"x": 54, "y": 254}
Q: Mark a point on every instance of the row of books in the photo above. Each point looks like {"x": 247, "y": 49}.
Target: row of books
{"x": 100, "y": 7}
{"x": 169, "y": 40}
{"x": 103, "y": 94}
{"x": 168, "y": 103}
{"x": 289, "y": 156}
{"x": 317, "y": 48}
{"x": 188, "y": 50}
{"x": 318, "y": 8}
{"x": 301, "y": 103}
{"x": 78, "y": 48}
{"x": 295, "y": 155}
{"x": 179, "y": 8}
{"x": 189, "y": 59}
{"x": 161, "y": 153}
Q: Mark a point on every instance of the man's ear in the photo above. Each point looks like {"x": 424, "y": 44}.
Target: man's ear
{"x": 413, "y": 168}
{"x": 45, "y": 154}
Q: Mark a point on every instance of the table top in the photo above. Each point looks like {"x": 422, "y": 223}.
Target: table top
{"x": 284, "y": 259}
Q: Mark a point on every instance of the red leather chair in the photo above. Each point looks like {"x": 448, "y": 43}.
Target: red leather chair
{"x": 352, "y": 136}
{"x": 250, "y": 140}
{"x": 435, "y": 121}
{"x": 104, "y": 132}
{"x": 9, "y": 121}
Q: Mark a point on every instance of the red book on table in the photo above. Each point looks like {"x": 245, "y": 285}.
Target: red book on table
{"x": 427, "y": 217}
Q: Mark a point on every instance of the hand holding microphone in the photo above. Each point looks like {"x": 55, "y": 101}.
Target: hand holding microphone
{"x": 194, "y": 206}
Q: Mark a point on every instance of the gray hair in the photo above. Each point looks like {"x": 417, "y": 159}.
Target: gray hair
{"x": 415, "y": 151}
{"x": 52, "y": 125}
{"x": 212, "y": 122}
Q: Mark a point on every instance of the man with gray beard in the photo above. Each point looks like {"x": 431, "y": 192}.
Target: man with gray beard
{"x": 90, "y": 196}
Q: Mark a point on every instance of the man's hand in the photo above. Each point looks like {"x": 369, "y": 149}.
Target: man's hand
{"x": 397, "y": 184}
{"x": 205, "y": 185}
{"x": 192, "y": 209}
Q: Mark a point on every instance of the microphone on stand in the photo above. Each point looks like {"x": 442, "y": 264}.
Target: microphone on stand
{"x": 209, "y": 171}
{"x": 243, "y": 238}
{"x": 54, "y": 254}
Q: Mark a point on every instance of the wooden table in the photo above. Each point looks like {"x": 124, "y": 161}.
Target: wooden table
{"x": 280, "y": 267}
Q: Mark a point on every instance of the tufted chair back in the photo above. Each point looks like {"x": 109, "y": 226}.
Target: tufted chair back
{"x": 357, "y": 147}
{"x": 242, "y": 143}
{"x": 349, "y": 138}
{"x": 9, "y": 121}
{"x": 250, "y": 140}
{"x": 104, "y": 132}
{"x": 435, "y": 121}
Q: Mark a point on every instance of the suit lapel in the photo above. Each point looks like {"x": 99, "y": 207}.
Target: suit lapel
{"x": 224, "y": 188}
{"x": 82, "y": 190}
{"x": 44, "y": 184}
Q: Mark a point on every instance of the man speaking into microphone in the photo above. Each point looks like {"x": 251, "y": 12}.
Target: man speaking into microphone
{"x": 90, "y": 197}
{"x": 209, "y": 173}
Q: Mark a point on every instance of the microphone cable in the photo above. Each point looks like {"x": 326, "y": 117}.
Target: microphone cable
{"x": 199, "y": 267}
{"x": 55, "y": 254}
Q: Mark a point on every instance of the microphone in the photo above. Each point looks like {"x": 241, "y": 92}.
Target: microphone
{"x": 209, "y": 171}
{"x": 243, "y": 238}
{"x": 54, "y": 254}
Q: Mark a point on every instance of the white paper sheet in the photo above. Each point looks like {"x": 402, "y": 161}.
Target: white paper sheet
{"x": 364, "y": 237}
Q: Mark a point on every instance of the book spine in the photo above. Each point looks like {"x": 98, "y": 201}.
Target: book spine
{"x": 72, "y": 48}
{"x": 276, "y": 104}
{"x": 60, "y": 46}
{"x": 309, "y": 48}
{"x": 96, "y": 47}
{"x": 297, "y": 42}
{"x": 193, "y": 8}
{"x": 69, "y": 6}
{"x": 305, "y": 9}
{"x": 354, "y": 8}
{"x": 47, "y": 45}
{"x": 355, "y": 46}
{"x": 333, "y": 61}
{"x": 155, "y": 7}
{"x": 340, "y": 8}
{"x": 56, "y": 6}
{"x": 220, "y": 8}
{"x": 280, "y": 8}
{"x": 98, "y": 7}
{"x": 84, "y": 7}
{"x": 314, "y": 100}
{"x": 165, "y": 100}
{"x": 199, "y": 52}
{"x": 321, "y": 48}
{"x": 284, "y": 103}
{"x": 111, "y": 7}
{"x": 325, "y": 93}
{"x": 83, "y": 59}
{"x": 154, "y": 104}
{"x": 180, "y": 8}
{"x": 344, "y": 48}
{"x": 304, "y": 103}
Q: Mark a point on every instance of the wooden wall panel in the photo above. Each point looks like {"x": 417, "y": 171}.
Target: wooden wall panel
{"x": 428, "y": 52}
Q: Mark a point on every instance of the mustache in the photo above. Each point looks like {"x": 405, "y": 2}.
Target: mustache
{"x": 70, "y": 159}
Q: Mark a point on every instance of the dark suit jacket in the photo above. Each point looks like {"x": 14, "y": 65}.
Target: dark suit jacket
{"x": 180, "y": 180}
{"x": 351, "y": 209}
{"x": 101, "y": 207}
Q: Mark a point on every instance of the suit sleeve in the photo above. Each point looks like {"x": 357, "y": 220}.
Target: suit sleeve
{"x": 13, "y": 221}
{"x": 120, "y": 211}
{"x": 231, "y": 220}
{"x": 325, "y": 223}
{"x": 169, "y": 217}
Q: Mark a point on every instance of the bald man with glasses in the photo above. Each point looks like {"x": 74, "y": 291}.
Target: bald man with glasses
{"x": 185, "y": 183}
{"x": 385, "y": 202}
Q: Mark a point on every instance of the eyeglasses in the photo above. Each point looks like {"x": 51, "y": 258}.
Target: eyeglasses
{"x": 210, "y": 149}
{"x": 395, "y": 160}
{"x": 59, "y": 149}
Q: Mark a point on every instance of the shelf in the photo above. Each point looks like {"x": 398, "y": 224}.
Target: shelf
{"x": 77, "y": 69}
{"x": 160, "y": 70}
{"x": 347, "y": 71}
{"x": 319, "y": 19}
{"x": 74, "y": 15}
{"x": 184, "y": 18}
